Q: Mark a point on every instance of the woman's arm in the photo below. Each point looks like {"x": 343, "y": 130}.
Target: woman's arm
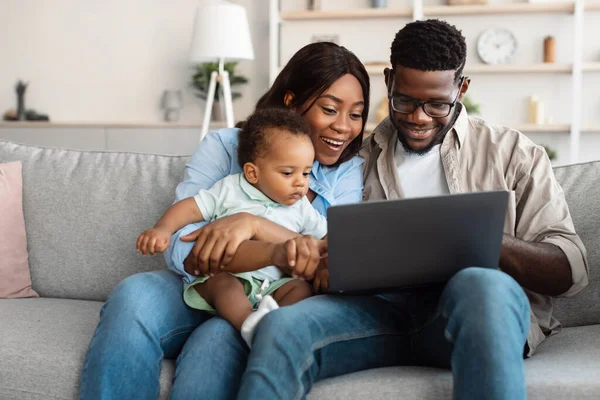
{"x": 218, "y": 243}
{"x": 298, "y": 257}
{"x": 210, "y": 162}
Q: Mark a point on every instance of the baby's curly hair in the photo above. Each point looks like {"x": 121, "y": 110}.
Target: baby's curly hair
{"x": 430, "y": 45}
{"x": 257, "y": 131}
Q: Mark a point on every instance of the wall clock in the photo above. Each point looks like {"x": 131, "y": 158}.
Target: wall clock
{"x": 496, "y": 46}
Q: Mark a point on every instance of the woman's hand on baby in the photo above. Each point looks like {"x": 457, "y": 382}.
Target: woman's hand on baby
{"x": 153, "y": 241}
{"x": 300, "y": 256}
{"x": 217, "y": 242}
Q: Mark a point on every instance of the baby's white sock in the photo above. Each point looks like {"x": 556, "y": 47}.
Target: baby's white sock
{"x": 266, "y": 305}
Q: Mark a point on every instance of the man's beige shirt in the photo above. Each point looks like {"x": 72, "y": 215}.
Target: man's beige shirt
{"x": 477, "y": 157}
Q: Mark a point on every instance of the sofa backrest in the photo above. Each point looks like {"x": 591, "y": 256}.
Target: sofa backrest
{"x": 581, "y": 184}
{"x": 84, "y": 211}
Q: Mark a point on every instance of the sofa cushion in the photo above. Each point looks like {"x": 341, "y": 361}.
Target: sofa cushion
{"x": 43, "y": 344}
{"x": 15, "y": 279}
{"x": 566, "y": 366}
{"x": 581, "y": 184}
{"x": 84, "y": 212}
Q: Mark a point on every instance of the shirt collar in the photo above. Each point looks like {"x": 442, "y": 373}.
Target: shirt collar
{"x": 385, "y": 134}
{"x": 255, "y": 194}
{"x": 461, "y": 125}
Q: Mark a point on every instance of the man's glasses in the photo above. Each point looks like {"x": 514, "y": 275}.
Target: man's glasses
{"x": 435, "y": 109}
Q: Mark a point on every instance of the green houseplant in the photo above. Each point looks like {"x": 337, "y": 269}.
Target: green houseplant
{"x": 201, "y": 79}
{"x": 472, "y": 107}
{"x": 550, "y": 151}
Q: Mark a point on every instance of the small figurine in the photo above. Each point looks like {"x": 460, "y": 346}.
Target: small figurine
{"x": 20, "y": 88}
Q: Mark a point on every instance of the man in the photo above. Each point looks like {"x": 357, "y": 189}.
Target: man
{"x": 483, "y": 322}
{"x": 429, "y": 146}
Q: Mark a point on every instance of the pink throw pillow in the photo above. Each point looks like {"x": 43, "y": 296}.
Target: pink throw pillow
{"x": 15, "y": 280}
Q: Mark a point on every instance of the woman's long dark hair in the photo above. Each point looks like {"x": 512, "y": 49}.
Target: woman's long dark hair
{"x": 309, "y": 73}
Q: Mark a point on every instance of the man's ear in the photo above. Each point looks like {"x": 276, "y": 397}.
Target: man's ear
{"x": 288, "y": 98}
{"x": 251, "y": 172}
{"x": 464, "y": 88}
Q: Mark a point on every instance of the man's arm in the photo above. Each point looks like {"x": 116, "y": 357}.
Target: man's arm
{"x": 545, "y": 254}
{"x": 540, "y": 267}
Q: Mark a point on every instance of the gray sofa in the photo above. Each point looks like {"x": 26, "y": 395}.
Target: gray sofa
{"x": 83, "y": 212}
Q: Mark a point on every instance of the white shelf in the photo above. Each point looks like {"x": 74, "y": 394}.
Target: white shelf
{"x": 494, "y": 9}
{"x": 591, "y": 66}
{"x": 377, "y": 68}
{"x": 484, "y": 9}
{"x": 347, "y": 14}
{"x": 518, "y": 68}
{"x": 42, "y": 124}
{"x": 591, "y": 129}
{"x": 592, "y": 5}
{"x": 542, "y": 128}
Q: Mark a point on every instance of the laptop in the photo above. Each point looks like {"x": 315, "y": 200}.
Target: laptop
{"x": 382, "y": 245}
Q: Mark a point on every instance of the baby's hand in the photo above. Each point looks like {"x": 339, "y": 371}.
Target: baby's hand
{"x": 153, "y": 241}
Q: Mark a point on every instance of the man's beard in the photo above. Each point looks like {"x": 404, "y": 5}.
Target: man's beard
{"x": 439, "y": 137}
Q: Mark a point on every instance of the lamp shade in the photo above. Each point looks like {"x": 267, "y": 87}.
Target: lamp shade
{"x": 221, "y": 32}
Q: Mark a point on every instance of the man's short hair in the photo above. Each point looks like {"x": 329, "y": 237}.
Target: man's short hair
{"x": 258, "y": 131}
{"x": 430, "y": 45}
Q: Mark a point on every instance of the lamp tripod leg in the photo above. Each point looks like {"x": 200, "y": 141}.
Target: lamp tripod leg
{"x": 228, "y": 98}
{"x": 210, "y": 97}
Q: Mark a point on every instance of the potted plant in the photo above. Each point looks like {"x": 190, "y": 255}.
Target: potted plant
{"x": 201, "y": 80}
{"x": 472, "y": 107}
{"x": 550, "y": 151}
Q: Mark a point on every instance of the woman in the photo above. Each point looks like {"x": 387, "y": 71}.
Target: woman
{"x": 145, "y": 319}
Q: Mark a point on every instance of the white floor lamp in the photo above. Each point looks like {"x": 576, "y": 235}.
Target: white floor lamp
{"x": 221, "y": 33}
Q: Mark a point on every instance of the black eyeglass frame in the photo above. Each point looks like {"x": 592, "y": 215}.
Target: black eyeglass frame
{"x": 422, "y": 104}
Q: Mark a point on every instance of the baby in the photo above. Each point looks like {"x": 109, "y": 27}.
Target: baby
{"x": 276, "y": 154}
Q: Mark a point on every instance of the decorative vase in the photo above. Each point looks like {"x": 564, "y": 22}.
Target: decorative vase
{"x": 21, "y": 104}
{"x": 378, "y": 3}
{"x": 21, "y": 108}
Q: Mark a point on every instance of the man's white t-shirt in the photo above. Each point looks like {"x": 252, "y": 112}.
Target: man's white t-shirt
{"x": 421, "y": 175}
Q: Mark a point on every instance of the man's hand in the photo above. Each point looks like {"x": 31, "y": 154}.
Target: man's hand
{"x": 321, "y": 282}
{"x": 153, "y": 241}
{"x": 300, "y": 256}
{"x": 217, "y": 242}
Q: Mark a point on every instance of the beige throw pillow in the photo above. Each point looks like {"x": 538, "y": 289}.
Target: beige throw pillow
{"x": 15, "y": 280}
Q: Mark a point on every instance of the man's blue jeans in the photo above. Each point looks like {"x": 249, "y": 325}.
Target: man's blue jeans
{"x": 477, "y": 326}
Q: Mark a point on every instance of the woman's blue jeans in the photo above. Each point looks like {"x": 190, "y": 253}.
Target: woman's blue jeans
{"x": 476, "y": 325}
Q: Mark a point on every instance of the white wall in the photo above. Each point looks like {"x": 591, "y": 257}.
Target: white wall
{"x": 110, "y": 60}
